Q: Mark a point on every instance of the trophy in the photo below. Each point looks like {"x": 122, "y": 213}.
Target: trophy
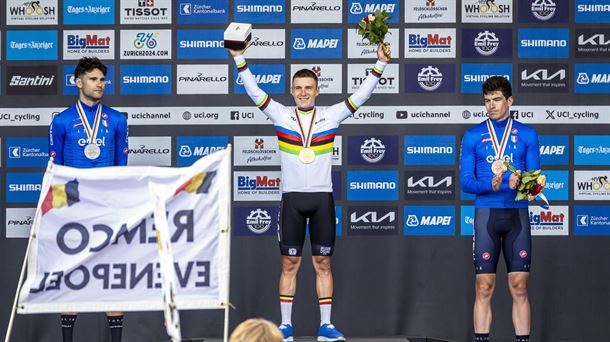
{"x": 237, "y": 36}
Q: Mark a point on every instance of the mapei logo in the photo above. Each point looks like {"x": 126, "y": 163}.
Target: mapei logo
{"x": 372, "y": 185}
{"x": 554, "y": 149}
{"x": 360, "y": 8}
{"x": 316, "y": 43}
{"x": 270, "y": 77}
{"x": 429, "y": 220}
{"x": 190, "y": 149}
{"x": 544, "y": 43}
{"x": 592, "y": 78}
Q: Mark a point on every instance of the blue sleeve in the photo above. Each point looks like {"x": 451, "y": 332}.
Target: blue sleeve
{"x": 56, "y": 140}
{"x": 468, "y": 179}
{"x": 532, "y": 155}
{"x": 121, "y": 145}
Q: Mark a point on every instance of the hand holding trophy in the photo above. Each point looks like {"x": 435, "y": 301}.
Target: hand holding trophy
{"x": 237, "y": 37}
{"x": 373, "y": 28}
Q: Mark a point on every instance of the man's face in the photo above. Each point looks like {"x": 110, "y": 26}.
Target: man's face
{"x": 91, "y": 84}
{"x": 304, "y": 91}
{"x": 497, "y": 105}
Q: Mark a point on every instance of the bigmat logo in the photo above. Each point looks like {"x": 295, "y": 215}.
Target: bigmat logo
{"x": 430, "y": 43}
{"x": 23, "y": 187}
{"x": 430, "y": 220}
{"x": 270, "y": 77}
{"x": 191, "y": 149}
{"x": 544, "y": 43}
{"x": 31, "y": 80}
{"x": 146, "y": 79}
{"x": 267, "y": 44}
{"x": 19, "y": 222}
{"x": 257, "y": 186}
{"x": 69, "y": 83}
{"x": 592, "y": 185}
{"x": 255, "y": 221}
{"x": 377, "y": 150}
{"x": 27, "y": 152}
{"x": 310, "y": 12}
{"x": 150, "y": 151}
{"x": 146, "y": 11}
{"x": 592, "y": 149}
{"x": 592, "y": 43}
{"x": 31, "y": 45}
{"x": 429, "y": 150}
{"x": 98, "y": 44}
{"x": 592, "y": 78}
{"x": 203, "y": 11}
{"x": 90, "y": 12}
{"x": 484, "y": 11}
{"x": 557, "y": 185}
{"x": 589, "y": 220}
{"x": 552, "y": 221}
{"x": 202, "y": 79}
{"x": 358, "y": 9}
{"x": 372, "y": 221}
{"x": 330, "y": 76}
{"x": 544, "y": 11}
{"x": 265, "y": 12}
{"x": 429, "y": 185}
{"x": 388, "y": 82}
{"x": 316, "y": 43}
{"x": 497, "y": 43}
{"x": 430, "y": 11}
{"x": 543, "y": 78}
{"x": 146, "y": 44}
{"x": 430, "y": 78}
{"x": 467, "y": 220}
{"x": 474, "y": 75}
{"x": 27, "y": 12}
{"x": 372, "y": 185}
{"x": 554, "y": 149}
{"x": 256, "y": 151}
{"x": 592, "y": 11}
{"x": 205, "y": 44}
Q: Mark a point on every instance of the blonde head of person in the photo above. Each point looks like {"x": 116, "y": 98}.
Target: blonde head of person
{"x": 256, "y": 330}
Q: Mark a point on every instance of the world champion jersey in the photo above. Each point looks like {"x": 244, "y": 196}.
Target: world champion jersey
{"x": 316, "y": 176}
{"x": 522, "y": 152}
{"x": 68, "y": 138}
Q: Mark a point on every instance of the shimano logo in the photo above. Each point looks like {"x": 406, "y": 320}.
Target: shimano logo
{"x": 593, "y": 8}
{"x": 481, "y": 78}
{"x": 544, "y": 43}
{"x": 372, "y": 185}
{"x": 260, "y": 8}
{"x": 198, "y": 44}
{"x": 542, "y": 75}
{"x": 430, "y": 150}
{"x": 24, "y": 187}
{"x": 145, "y": 79}
{"x": 39, "y": 80}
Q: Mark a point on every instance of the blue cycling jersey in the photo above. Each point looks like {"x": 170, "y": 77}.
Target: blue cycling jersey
{"x": 477, "y": 155}
{"x": 68, "y": 138}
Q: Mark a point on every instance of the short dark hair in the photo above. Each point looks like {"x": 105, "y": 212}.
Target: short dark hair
{"x": 498, "y": 83}
{"x": 88, "y": 64}
{"x": 305, "y": 73}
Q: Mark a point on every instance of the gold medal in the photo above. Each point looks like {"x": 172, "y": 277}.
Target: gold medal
{"x": 498, "y": 167}
{"x": 92, "y": 151}
{"x": 307, "y": 155}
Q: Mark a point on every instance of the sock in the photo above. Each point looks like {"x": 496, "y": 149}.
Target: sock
{"x": 522, "y": 338}
{"x": 481, "y": 337}
{"x": 67, "y": 327}
{"x": 286, "y": 308}
{"x": 115, "y": 323}
{"x": 326, "y": 305}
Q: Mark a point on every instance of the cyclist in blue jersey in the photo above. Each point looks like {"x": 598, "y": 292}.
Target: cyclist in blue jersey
{"x": 89, "y": 134}
{"x": 500, "y": 223}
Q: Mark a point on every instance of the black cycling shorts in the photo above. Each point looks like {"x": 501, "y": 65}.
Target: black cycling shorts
{"x": 295, "y": 209}
{"x": 506, "y": 228}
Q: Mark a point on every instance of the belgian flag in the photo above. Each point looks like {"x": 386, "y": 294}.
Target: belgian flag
{"x": 61, "y": 195}
{"x": 199, "y": 184}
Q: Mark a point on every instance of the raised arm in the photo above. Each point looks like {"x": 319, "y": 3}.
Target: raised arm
{"x": 56, "y": 140}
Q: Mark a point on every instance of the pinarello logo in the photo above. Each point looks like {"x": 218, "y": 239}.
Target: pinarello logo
{"x": 523, "y": 253}
{"x": 125, "y": 150}
{"x": 486, "y": 256}
{"x": 105, "y": 116}
{"x": 52, "y": 153}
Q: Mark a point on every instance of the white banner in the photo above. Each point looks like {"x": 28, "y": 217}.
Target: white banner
{"x": 94, "y": 245}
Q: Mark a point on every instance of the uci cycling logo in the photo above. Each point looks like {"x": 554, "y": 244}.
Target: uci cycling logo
{"x": 146, "y": 39}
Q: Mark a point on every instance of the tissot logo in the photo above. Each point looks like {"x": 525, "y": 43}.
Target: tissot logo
{"x": 372, "y": 220}
{"x": 31, "y": 80}
{"x": 429, "y": 185}
{"x": 146, "y": 11}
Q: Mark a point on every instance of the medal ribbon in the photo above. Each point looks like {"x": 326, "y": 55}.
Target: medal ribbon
{"x": 494, "y": 139}
{"x": 306, "y": 142}
{"x": 91, "y": 132}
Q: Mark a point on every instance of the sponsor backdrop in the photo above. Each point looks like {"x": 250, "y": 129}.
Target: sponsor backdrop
{"x": 402, "y": 218}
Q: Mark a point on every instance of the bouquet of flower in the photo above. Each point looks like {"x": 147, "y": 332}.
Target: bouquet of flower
{"x": 374, "y": 27}
{"x": 531, "y": 185}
